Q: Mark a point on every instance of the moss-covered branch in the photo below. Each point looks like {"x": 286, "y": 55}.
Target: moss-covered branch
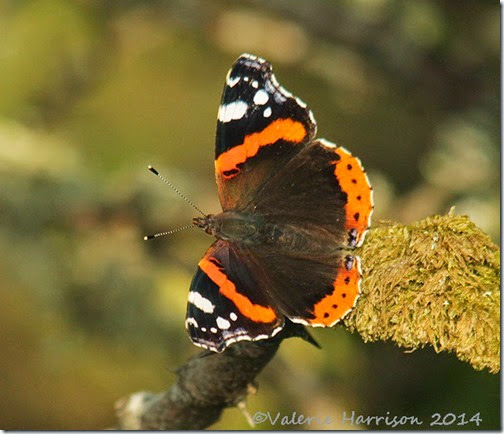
{"x": 433, "y": 282}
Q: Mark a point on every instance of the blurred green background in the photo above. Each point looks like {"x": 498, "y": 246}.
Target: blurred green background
{"x": 93, "y": 91}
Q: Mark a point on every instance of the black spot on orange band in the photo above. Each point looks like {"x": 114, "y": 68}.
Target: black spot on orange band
{"x": 358, "y": 207}
{"x": 338, "y": 303}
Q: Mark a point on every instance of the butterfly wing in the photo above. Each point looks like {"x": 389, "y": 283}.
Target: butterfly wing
{"x": 317, "y": 292}
{"x": 226, "y": 302}
{"x": 324, "y": 192}
{"x": 324, "y": 186}
{"x": 260, "y": 127}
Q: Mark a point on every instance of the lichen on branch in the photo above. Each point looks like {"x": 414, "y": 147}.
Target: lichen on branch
{"x": 434, "y": 282}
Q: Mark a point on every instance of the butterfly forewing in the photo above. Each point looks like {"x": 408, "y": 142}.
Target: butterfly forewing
{"x": 260, "y": 127}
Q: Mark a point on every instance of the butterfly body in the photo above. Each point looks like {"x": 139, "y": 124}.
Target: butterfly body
{"x": 257, "y": 232}
{"x": 294, "y": 208}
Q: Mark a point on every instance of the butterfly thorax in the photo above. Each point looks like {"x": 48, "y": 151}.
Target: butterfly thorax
{"x": 249, "y": 230}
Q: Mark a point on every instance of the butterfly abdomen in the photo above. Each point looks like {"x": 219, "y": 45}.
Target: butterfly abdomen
{"x": 252, "y": 230}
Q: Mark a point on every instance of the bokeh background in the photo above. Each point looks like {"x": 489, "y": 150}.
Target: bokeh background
{"x": 93, "y": 91}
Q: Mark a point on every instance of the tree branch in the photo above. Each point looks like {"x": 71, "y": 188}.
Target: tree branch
{"x": 206, "y": 385}
{"x": 433, "y": 282}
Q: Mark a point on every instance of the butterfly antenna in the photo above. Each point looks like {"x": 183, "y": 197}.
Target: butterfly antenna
{"x": 155, "y": 172}
{"x": 162, "y": 234}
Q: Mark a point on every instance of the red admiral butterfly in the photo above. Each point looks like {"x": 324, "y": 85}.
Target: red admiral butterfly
{"x": 293, "y": 208}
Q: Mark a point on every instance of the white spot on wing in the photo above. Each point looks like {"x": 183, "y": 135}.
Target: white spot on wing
{"x": 201, "y": 302}
{"x": 261, "y": 97}
{"x": 233, "y": 316}
{"x": 222, "y": 323}
{"x": 191, "y": 321}
{"x": 213, "y": 330}
{"x": 237, "y": 336}
{"x": 255, "y": 84}
{"x": 267, "y": 112}
{"x": 232, "y": 111}
{"x": 231, "y": 82}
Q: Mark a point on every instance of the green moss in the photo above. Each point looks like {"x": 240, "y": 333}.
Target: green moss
{"x": 433, "y": 282}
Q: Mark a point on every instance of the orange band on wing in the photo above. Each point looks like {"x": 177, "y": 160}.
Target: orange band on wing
{"x": 336, "y": 305}
{"x": 281, "y": 129}
{"x": 254, "y": 312}
{"x": 354, "y": 183}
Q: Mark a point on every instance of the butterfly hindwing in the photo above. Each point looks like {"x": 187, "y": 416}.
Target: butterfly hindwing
{"x": 323, "y": 194}
{"x": 225, "y": 304}
{"x": 260, "y": 127}
{"x": 315, "y": 291}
